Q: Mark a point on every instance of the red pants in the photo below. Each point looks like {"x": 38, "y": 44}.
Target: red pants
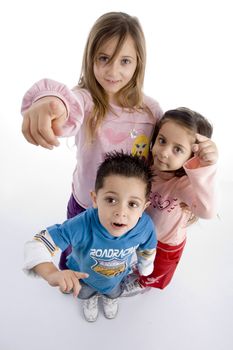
{"x": 166, "y": 261}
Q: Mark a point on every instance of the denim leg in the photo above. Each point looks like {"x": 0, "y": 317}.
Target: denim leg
{"x": 86, "y": 291}
{"x": 115, "y": 293}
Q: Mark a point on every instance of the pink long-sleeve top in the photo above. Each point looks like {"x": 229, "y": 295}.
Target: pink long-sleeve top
{"x": 122, "y": 129}
{"x": 196, "y": 190}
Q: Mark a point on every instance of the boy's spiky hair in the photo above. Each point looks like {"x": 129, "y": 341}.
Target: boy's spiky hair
{"x": 124, "y": 164}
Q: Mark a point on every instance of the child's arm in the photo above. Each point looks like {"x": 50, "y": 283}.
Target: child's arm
{"x": 146, "y": 261}
{"x": 51, "y": 109}
{"x": 146, "y": 250}
{"x": 38, "y": 255}
{"x": 66, "y": 280}
{"x": 199, "y": 195}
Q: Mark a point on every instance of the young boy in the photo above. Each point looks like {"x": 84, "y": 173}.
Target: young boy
{"x": 103, "y": 238}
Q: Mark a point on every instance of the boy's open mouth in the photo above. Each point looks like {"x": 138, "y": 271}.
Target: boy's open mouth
{"x": 117, "y": 224}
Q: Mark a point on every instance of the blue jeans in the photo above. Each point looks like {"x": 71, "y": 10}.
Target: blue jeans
{"x": 87, "y": 292}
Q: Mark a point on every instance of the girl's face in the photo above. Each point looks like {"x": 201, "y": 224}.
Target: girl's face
{"x": 114, "y": 76}
{"x": 173, "y": 146}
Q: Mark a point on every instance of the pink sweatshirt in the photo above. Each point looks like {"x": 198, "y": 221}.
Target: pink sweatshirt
{"x": 197, "y": 190}
{"x": 121, "y": 130}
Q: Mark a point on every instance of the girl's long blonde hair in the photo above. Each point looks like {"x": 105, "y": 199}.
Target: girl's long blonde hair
{"x": 112, "y": 25}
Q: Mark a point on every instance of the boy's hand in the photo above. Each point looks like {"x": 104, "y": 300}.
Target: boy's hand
{"x": 206, "y": 150}
{"x": 43, "y": 120}
{"x": 67, "y": 280}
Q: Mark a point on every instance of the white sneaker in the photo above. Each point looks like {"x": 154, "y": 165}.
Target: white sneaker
{"x": 132, "y": 288}
{"x": 110, "y": 307}
{"x": 90, "y": 308}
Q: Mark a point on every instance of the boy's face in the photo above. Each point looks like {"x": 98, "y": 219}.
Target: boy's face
{"x": 120, "y": 202}
{"x": 173, "y": 146}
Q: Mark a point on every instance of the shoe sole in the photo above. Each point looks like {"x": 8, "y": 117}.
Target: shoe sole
{"x": 144, "y": 290}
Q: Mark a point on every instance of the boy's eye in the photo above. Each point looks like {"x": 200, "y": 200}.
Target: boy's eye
{"x": 133, "y": 204}
{"x": 110, "y": 200}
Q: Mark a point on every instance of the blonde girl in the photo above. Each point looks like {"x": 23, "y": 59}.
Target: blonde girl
{"x": 106, "y": 111}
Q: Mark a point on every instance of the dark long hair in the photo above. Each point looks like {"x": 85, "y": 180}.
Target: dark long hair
{"x": 196, "y": 123}
{"x": 190, "y": 120}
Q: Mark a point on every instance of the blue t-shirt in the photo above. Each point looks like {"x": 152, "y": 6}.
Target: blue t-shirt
{"x": 95, "y": 251}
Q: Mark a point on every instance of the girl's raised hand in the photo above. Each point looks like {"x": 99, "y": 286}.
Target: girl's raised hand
{"x": 206, "y": 150}
{"x": 42, "y": 122}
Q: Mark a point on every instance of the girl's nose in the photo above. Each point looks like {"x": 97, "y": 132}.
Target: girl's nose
{"x": 164, "y": 153}
{"x": 112, "y": 68}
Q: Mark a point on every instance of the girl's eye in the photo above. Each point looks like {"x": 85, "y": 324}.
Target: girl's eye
{"x": 125, "y": 61}
{"x": 133, "y": 204}
{"x": 161, "y": 140}
{"x": 178, "y": 150}
{"x": 103, "y": 59}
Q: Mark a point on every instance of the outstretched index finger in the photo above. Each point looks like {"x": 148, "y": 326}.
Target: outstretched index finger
{"x": 81, "y": 275}
{"x": 58, "y": 116}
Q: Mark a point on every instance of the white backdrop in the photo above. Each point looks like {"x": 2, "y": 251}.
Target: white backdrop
{"x": 189, "y": 47}
{"x": 190, "y": 55}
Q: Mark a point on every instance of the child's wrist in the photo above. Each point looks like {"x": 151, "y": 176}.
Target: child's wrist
{"x": 45, "y": 270}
